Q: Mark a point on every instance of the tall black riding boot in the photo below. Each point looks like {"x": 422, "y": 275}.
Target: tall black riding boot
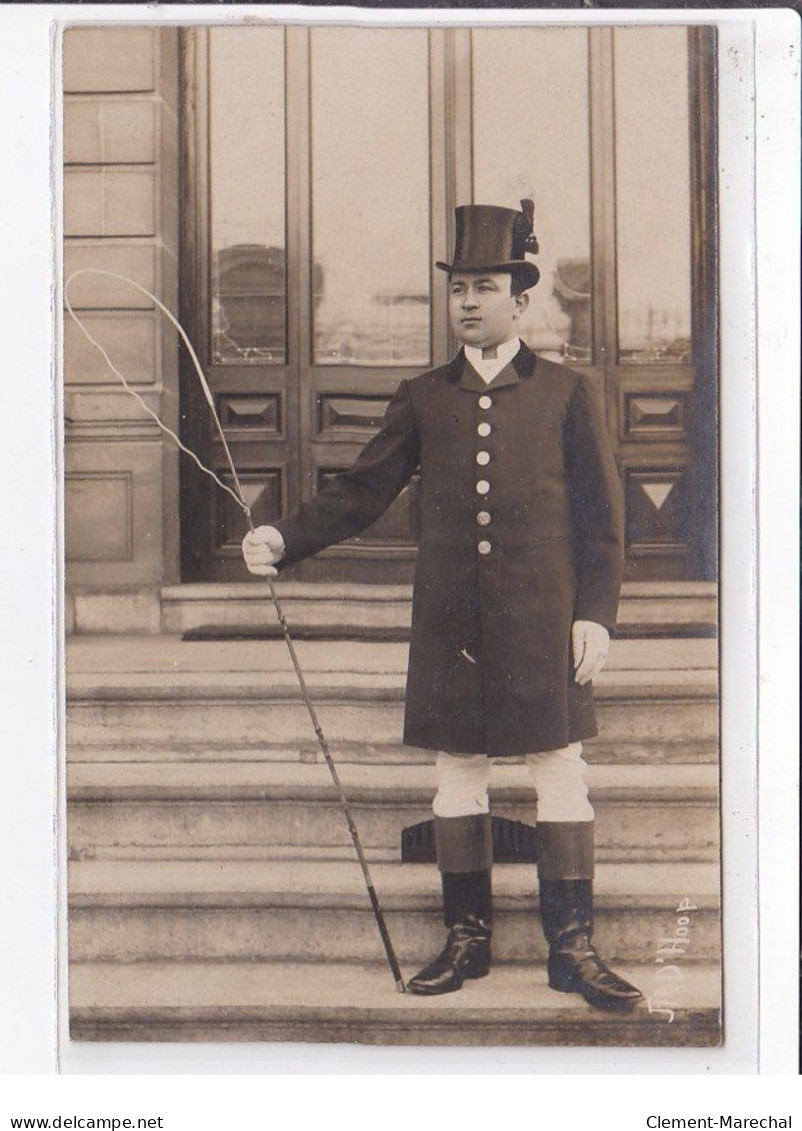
{"x": 565, "y": 869}
{"x": 464, "y": 857}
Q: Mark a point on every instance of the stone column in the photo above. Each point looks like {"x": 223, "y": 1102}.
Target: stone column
{"x": 121, "y": 215}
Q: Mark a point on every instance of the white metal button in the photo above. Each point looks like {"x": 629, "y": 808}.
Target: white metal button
{"x": 483, "y": 458}
{"x": 483, "y": 429}
{"x": 485, "y": 402}
{"x": 484, "y": 547}
{"x": 482, "y": 486}
{"x": 483, "y": 518}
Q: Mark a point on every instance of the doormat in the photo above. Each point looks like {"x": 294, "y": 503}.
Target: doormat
{"x": 400, "y": 634}
{"x": 391, "y": 634}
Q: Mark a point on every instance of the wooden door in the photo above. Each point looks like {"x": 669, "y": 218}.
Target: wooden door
{"x": 309, "y": 270}
{"x": 321, "y": 170}
{"x": 658, "y": 323}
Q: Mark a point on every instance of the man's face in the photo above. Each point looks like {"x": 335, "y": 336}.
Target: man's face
{"x": 483, "y": 311}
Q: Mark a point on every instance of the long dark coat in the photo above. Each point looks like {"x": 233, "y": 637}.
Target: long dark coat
{"x": 494, "y": 599}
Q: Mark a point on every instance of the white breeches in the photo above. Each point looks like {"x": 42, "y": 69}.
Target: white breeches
{"x": 559, "y": 778}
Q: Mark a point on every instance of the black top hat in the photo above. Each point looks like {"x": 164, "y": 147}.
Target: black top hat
{"x": 495, "y": 239}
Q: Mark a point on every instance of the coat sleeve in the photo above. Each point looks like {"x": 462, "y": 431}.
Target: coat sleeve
{"x": 356, "y": 498}
{"x": 596, "y": 508}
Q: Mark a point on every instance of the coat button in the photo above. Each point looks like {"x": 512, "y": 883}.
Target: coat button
{"x": 483, "y": 518}
{"x": 482, "y": 486}
{"x": 484, "y": 547}
{"x": 485, "y": 402}
{"x": 483, "y": 429}
{"x": 483, "y": 458}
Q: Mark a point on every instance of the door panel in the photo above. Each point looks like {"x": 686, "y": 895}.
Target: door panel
{"x": 236, "y": 248}
{"x": 375, "y": 210}
{"x": 653, "y": 195}
{"x": 247, "y": 175}
{"x": 652, "y": 390}
{"x": 531, "y": 137}
{"x": 370, "y": 197}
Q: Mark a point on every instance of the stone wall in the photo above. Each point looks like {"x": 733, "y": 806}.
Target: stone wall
{"x": 121, "y": 198}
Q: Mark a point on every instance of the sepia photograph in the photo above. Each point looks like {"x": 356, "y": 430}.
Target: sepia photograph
{"x": 390, "y": 387}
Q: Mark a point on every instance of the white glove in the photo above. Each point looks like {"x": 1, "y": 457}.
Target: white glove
{"x": 590, "y": 643}
{"x": 262, "y": 548}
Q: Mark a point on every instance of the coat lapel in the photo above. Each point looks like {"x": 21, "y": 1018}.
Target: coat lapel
{"x": 460, "y": 370}
{"x": 524, "y": 361}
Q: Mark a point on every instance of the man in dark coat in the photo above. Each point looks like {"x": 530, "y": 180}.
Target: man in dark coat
{"x": 516, "y": 587}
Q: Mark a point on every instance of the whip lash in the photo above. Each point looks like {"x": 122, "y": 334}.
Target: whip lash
{"x": 237, "y": 495}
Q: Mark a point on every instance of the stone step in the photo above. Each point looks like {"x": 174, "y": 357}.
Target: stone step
{"x": 124, "y": 810}
{"x": 126, "y": 911}
{"x": 343, "y": 1003}
{"x": 597, "y": 751}
{"x": 157, "y": 691}
{"x": 105, "y": 655}
{"x": 672, "y": 608}
{"x": 281, "y": 718}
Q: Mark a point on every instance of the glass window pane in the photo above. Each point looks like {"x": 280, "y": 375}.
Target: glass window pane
{"x": 531, "y": 138}
{"x": 653, "y": 204}
{"x": 370, "y": 197}
{"x": 246, "y": 154}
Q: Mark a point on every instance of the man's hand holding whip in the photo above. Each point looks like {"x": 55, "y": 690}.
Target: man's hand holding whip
{"x": 263, "y": 548}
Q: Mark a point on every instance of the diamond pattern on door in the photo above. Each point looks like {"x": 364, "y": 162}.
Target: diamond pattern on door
{"x": 655, "y": 416}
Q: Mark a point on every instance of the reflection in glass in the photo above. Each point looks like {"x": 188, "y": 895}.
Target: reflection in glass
{"x": 531, "y": 138}
{"x": 370, "y": 196}
{"x": 653, "y": 194}
{"x": 246, "y": 154}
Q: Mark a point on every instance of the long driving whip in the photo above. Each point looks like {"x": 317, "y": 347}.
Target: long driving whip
{"x": 238, "y": 496}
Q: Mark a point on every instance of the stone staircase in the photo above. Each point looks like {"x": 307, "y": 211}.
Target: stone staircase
{"x": 213, "y": 889}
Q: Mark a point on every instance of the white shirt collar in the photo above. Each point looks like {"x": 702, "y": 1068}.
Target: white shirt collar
{"x": 490, "y": 367}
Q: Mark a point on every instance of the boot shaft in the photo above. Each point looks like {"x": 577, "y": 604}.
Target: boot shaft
{"x": 468, "y": 899}
{"x": 566, "y": 910}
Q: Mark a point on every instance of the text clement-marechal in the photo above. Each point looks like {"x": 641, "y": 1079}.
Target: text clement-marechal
{"x": 695, "y": 1123}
